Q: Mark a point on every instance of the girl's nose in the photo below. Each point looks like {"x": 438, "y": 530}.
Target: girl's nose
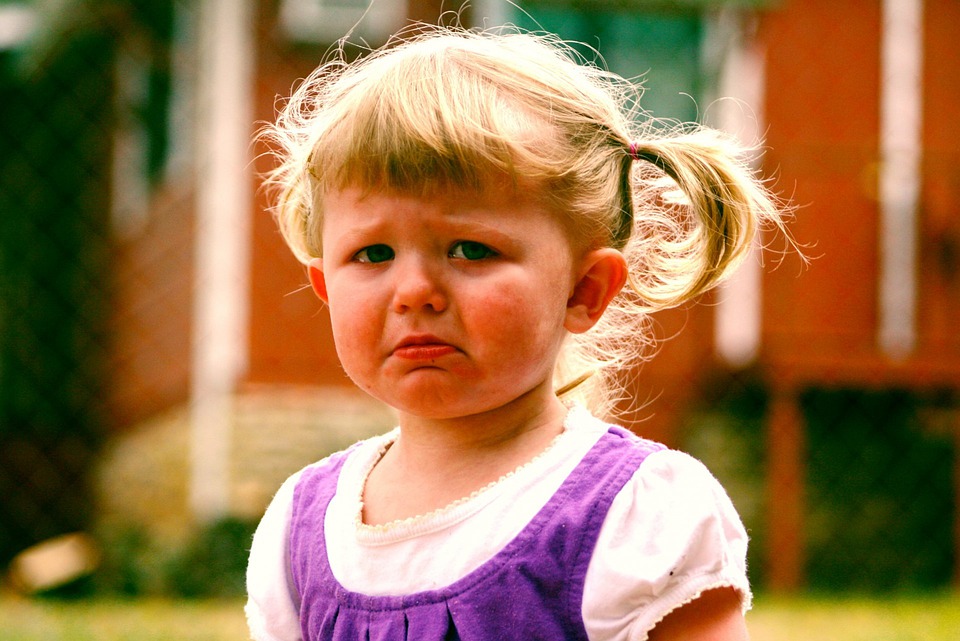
{"x": 418, "y": 287}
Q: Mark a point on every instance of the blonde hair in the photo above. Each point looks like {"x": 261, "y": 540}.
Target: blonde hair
{"x": 447, "y": 107}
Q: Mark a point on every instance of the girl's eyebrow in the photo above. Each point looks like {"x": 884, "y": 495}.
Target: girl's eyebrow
{"x": 454, "y": 223}
{"x": 356, "y": 234}
{"x": 470, "y": 226}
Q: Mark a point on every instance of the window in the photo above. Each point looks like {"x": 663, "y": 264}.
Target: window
{"x": 329, "y": 20}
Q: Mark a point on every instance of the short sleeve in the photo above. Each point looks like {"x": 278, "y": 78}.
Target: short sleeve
{"x": 671, "y": 534}
{"x": 271, "y": 609}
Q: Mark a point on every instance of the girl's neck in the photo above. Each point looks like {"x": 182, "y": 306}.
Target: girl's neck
{"x": 435, "y": 462}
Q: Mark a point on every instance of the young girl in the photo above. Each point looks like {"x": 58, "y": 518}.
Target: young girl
{"x": 489, "y": 226}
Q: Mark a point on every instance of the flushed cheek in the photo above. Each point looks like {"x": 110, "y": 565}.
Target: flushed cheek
{"x": 517, "y": 324}
{"x": 357, "y": 336}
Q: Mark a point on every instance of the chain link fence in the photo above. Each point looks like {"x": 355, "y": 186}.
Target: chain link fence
{"x": 98, "y": 276}
{"x": 55, "y": 289}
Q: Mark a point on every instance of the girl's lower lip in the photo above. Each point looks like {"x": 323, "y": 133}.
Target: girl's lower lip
{"x": 424, "y": 352}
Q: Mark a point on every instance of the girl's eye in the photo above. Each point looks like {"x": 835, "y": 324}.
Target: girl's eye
{"x": 374, "y": 254}
{"x": 469, "y": 250}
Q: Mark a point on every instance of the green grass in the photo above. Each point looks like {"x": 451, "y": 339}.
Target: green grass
{"x": 136, "y": 620}
{"x": 845, "y": 618}
{"x": 828, "y": 618}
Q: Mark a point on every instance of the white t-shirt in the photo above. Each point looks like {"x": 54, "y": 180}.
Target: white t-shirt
{"x": 670, "y": 534}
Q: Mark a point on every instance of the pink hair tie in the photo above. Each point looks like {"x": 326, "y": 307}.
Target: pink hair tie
{"x": 651, "y": 157}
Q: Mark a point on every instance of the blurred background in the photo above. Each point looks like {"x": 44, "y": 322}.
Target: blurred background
{"x": 164, "y": 366}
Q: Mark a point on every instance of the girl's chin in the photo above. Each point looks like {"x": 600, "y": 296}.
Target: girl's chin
{"x": 439, "y": 394}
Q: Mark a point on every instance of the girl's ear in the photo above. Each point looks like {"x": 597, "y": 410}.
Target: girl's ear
{"x": 317, "y": 280}
{"x": 602, "y": 275}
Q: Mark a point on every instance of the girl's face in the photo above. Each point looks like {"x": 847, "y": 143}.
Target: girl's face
{"x": 447, "y": 305}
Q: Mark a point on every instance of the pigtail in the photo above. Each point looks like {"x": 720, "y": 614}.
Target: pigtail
{"x": 688, "y": 239}
{"x": 690, "y": 211}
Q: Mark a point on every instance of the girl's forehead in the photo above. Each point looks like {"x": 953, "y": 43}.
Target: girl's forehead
{"x": 451, "y": 199}
{"x": 494, "y": 190}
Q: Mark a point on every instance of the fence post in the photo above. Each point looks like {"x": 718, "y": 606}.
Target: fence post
{"x": 785, "y": 496}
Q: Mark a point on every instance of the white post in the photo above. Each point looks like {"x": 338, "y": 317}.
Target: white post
{"x": 225, "y": 119}
{"x": 901, "y": 112}
{"x": 737, "y": 315}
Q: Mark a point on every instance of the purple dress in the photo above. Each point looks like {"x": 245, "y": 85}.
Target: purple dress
{"x": 531, "y": 589}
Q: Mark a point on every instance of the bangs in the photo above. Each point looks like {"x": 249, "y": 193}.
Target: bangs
{"x": 428, "y": 118}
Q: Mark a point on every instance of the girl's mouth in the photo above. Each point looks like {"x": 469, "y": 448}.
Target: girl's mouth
{"x": 422, "y": 347}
